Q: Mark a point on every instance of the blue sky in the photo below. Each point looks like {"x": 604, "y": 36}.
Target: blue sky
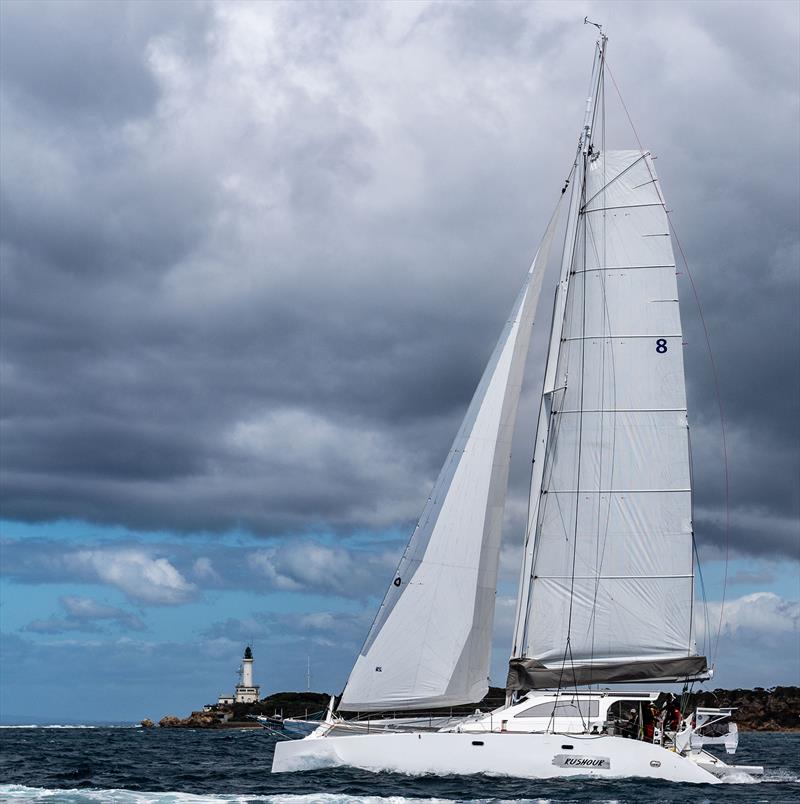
{"x": 254, "y": 258}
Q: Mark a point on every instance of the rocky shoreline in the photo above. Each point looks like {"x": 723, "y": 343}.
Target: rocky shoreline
{"x": 240, "y": 715}
{"x": 759, "y": 709}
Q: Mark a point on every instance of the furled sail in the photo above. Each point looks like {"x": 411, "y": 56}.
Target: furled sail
{"x": 430, "y": 642}
{"x": 607, "y": 583}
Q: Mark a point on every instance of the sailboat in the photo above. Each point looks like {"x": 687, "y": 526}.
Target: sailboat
{"x": 606, "y": 585}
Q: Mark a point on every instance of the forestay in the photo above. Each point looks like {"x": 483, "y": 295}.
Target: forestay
{"x": 609, "y": 571}
{"x": 430, "y": 643}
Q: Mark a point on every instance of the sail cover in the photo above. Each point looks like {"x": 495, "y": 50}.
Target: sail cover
{"x": 609, "y": 568}
{"x": 430, "y": 642}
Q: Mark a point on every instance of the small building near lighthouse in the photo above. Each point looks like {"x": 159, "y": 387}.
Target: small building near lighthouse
{"x": 246, "y": 691}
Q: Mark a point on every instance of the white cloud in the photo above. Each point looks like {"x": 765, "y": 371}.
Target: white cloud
{"x": 759, "y": 641}
{"x": 90, "y": 609}
{"x": 203, "y": 569}
{"x": 761, "y": 615}
{"x": 135, "y": 572}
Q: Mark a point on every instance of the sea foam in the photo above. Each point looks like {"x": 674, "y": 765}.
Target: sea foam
{"x": 20, "y": 793}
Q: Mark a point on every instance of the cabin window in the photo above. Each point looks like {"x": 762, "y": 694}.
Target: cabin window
{"x": 563, "y": 709}
{"x": 620, "y": 710}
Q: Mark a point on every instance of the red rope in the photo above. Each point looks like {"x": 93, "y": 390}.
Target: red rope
{"x": 627, "y": 113}
{"x": 722, "y": 429}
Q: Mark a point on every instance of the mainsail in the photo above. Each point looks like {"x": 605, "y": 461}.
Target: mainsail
{"x": 431, "y": 640}
{"x": 607, "y": 582}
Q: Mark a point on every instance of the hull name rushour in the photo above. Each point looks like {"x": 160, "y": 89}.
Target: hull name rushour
{"x": 568, "y": 761}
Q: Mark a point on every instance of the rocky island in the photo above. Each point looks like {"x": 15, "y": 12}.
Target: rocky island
{"x": 759, "y": 709}
{"x": 242, "y": 715}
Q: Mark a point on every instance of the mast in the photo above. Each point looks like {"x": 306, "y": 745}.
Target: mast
{"x": 550, "y": 387}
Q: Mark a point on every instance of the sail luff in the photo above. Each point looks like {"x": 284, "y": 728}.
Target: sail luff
{"x": 540, "y": 442}
{"x": 430, "y": 643}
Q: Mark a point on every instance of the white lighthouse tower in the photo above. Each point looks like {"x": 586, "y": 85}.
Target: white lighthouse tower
{"x": 246, "y": 691}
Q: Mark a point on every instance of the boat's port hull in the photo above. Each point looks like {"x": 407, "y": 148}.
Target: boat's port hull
{"x": 538, "y": 756}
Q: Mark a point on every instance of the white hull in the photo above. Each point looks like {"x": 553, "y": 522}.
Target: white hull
{"x": 539, "y": 756}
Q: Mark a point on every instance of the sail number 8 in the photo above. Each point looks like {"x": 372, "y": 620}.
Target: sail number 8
{"x": 661, "y": 345}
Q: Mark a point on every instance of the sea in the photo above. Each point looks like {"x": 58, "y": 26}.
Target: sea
{"x": 131, "y": 765}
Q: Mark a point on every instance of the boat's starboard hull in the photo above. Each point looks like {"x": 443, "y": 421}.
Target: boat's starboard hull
{"x": 538, "y": 756}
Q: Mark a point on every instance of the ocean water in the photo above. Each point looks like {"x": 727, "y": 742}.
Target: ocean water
{"x": 165, "y": 766}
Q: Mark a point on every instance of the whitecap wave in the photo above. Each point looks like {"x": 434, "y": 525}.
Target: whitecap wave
{"x": 69, "y": 726}
{"x": 46, "y": 726}
{"x": 739, "y": 777}
{"x": 23, "y": 793}
{"x": 780, "y": 775}
{"x": 773, "y": 775}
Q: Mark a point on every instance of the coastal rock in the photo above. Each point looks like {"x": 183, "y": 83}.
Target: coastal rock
{"x": 147, "y": 723}
{"x": 197, "y": 720}
{"x": 759, "y": 709}
{"x": 202, "y": 720}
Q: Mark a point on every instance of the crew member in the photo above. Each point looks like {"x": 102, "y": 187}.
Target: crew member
{"x": 630, "y": 728}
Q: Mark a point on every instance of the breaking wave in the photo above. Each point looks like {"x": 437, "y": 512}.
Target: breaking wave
{"x": 15, "y": 792}
{"x": 68, "y": 726}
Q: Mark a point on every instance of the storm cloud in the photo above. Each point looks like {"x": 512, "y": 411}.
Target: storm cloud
{"x": 254, "y": 256}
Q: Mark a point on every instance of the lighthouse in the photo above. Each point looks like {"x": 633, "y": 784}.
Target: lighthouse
{"x": 246, "y": 691}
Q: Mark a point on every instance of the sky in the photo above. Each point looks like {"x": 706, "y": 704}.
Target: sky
{"x": 254, "y": 257}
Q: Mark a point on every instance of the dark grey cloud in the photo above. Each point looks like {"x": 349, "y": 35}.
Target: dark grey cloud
{"x": 323, "y": 629}
{"x": 757, "y": 576}
{"x": 254, "y": 256}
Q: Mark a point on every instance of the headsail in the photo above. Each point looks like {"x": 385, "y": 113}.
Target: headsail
{"x": 607, "y": 586}
{"x": 430, "y": 643}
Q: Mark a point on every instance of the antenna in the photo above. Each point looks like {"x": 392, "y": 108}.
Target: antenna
{"x": 587, "y": 21}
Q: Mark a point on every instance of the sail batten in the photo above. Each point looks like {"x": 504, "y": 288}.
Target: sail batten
{"x": 430, "y": 643}
{"x": 607, "y": 580}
